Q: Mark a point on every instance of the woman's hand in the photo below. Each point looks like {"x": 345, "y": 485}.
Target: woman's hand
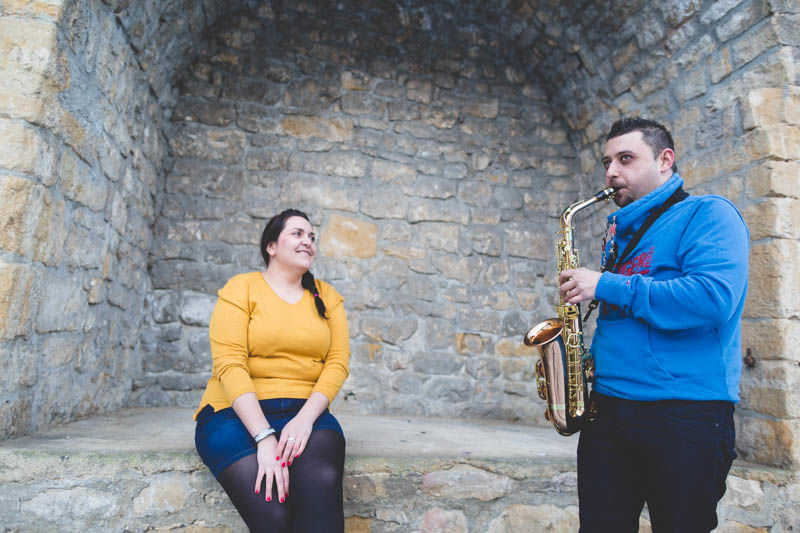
{"x": 271, "y": 466}
{"x": 294, "y": 437}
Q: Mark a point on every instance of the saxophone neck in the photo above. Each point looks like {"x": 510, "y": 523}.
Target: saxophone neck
{"x": 572, "y": 209}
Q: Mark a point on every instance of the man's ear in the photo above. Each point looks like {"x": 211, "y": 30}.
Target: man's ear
{"x": 666, "y": 159}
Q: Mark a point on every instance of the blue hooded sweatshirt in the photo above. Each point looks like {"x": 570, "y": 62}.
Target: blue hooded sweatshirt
{"x": 670, "y": 321}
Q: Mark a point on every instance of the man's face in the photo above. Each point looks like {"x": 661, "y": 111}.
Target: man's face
{"x": 633, "y": 169}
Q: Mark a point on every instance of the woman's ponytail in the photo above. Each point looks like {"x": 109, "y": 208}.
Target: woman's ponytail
{"x": 308, "y": 283}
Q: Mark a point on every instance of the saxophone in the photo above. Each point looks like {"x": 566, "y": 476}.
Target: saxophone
{"x": 564, "y": 364}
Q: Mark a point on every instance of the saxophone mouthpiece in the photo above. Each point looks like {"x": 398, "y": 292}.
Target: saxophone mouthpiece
{"x": 605, "y": 194}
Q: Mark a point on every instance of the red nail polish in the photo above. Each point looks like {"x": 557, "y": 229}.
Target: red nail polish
{"x": 278, "y": 458}
{"x": 290, "y": 464}
{"x": 269, "y": 499}
{"x": 257, "y": 491}
{"x": 283, "y": 464}
{"x": 296, "y": 456}
{"x": 283, "y": 500}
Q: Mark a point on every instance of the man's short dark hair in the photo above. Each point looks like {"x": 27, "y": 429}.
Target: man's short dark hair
{"x": 655, "y": 135}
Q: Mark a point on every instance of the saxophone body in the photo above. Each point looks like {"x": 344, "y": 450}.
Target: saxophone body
{"x": 564, "y": 364}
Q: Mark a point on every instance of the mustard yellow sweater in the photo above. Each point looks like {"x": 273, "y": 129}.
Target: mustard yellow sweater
{"x": 262, "y": 344}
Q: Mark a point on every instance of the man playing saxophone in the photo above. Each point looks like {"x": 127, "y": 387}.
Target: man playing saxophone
{"x": 667, "y": 347}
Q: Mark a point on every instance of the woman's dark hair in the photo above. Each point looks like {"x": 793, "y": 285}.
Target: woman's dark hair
{"x": 271, "y": 232}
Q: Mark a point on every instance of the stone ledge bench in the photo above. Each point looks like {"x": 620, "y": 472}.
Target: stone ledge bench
{"x": 136, "y": 470}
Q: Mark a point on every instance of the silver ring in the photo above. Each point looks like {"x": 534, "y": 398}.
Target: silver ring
{"x": 291, "y": 439}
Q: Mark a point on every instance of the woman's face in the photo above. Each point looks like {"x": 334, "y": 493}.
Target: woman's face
{"x": 296, "y": 245}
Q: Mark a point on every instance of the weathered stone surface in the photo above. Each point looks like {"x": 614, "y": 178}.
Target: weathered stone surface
{"x": 17, "y": 284}
{"x": 197, "y": 309}
{"x": 62, "y": 306}
{"x": 438, "y": 520}
{"x": 345, "y": 164}
{"x": 770, "y": 277}
{"x": 463, "y": 481}
{"x": 334, "y": 130}
{"x": 349, "y": 237}
{"x": 535, "y": 518}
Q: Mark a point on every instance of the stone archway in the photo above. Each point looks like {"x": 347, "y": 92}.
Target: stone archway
{"x": 447, "y": 135}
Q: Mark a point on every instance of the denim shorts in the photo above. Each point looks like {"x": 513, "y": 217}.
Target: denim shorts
{"x": 221, "y": 438}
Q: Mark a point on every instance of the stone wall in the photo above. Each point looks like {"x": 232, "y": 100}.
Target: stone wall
{"x": 432, "y": 180}
{"x": 84, "y": 87}
{"x": 433, "y": 143}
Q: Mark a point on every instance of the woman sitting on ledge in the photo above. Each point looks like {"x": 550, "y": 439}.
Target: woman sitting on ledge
{"x": 280, "y": 349}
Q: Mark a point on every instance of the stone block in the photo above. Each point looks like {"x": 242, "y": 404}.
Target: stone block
{"x": 384, "y": 204}
{"x": 771, "y": 339}
{"x": 327, "y": 193}
{"x": 399, "y": 110}
{"x": 773, "y": 278}
{"x": 466, "y": 482}
{"x": 721, "y": 65}
{"x": 463, "y": 269}
{"x": 775, "y": 178}
{"x": 416, "y": 130}
{"x": 357, "y": 524}
{"x": 261, "y": 91}
{"x": 482, "y": 108}
{"x": 355, "y": 80}
{"x": 334, "y": 130}
{"x": 781, "y": 141}
{"x": 430, "y": 187}
{"x": 50, "y": 9}
{"x": 774, "y": 217}
{"x": 768, "y": 441}
{"x": 439, "y": 236}
{"x": 63, "y": 303}
{"x": 717, "y": 10}
{"x": 22, "y": 149}
{"x": 192, "y": 140}
{"x": 166, "y": 493}
{"x": 470, "y": 343}
{"x": 449, "y": 389}
{"x": 477, "y": 193}
{"x": 676, "y": 13}
{"x": 526, "y": 240}
{"x": 344, "y": 164}
{"x": 31, "y": 221}
{"x": 82, "y": 184}
{"x": 17, "y": 293}
{"x": 349, "y": 237}
{"x": 744, "y": 17}
{"x": 547, "y": 517}
{"x": 432, "y": 362}
{"x": 357, "y": 103}
{"x": 691, "y": 85}
{"x": 443, "y": 119}
{"x": 514, "y": 346}
{"x": 485, "y": 240}
{"x": 438, "y": 520}
{"x": 754, "y": 43}
{"x": 770, "y": 107}
{"x": 197, "y": 308}
{"x": 419, "y": 91}
{"x": 770, "y": 388}
{"x": 480, "y": 320}
{"x": 212, "y": 112}
{"x": 438, "y": 211}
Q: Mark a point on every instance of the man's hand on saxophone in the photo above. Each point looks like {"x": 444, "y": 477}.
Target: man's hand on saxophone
{"x": 578, "y": 285}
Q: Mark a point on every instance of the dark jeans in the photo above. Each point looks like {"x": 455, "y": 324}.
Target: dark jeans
{"x": 675, "y": 455}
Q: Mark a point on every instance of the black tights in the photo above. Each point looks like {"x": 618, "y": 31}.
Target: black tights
{"x": 314, "y": 504}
